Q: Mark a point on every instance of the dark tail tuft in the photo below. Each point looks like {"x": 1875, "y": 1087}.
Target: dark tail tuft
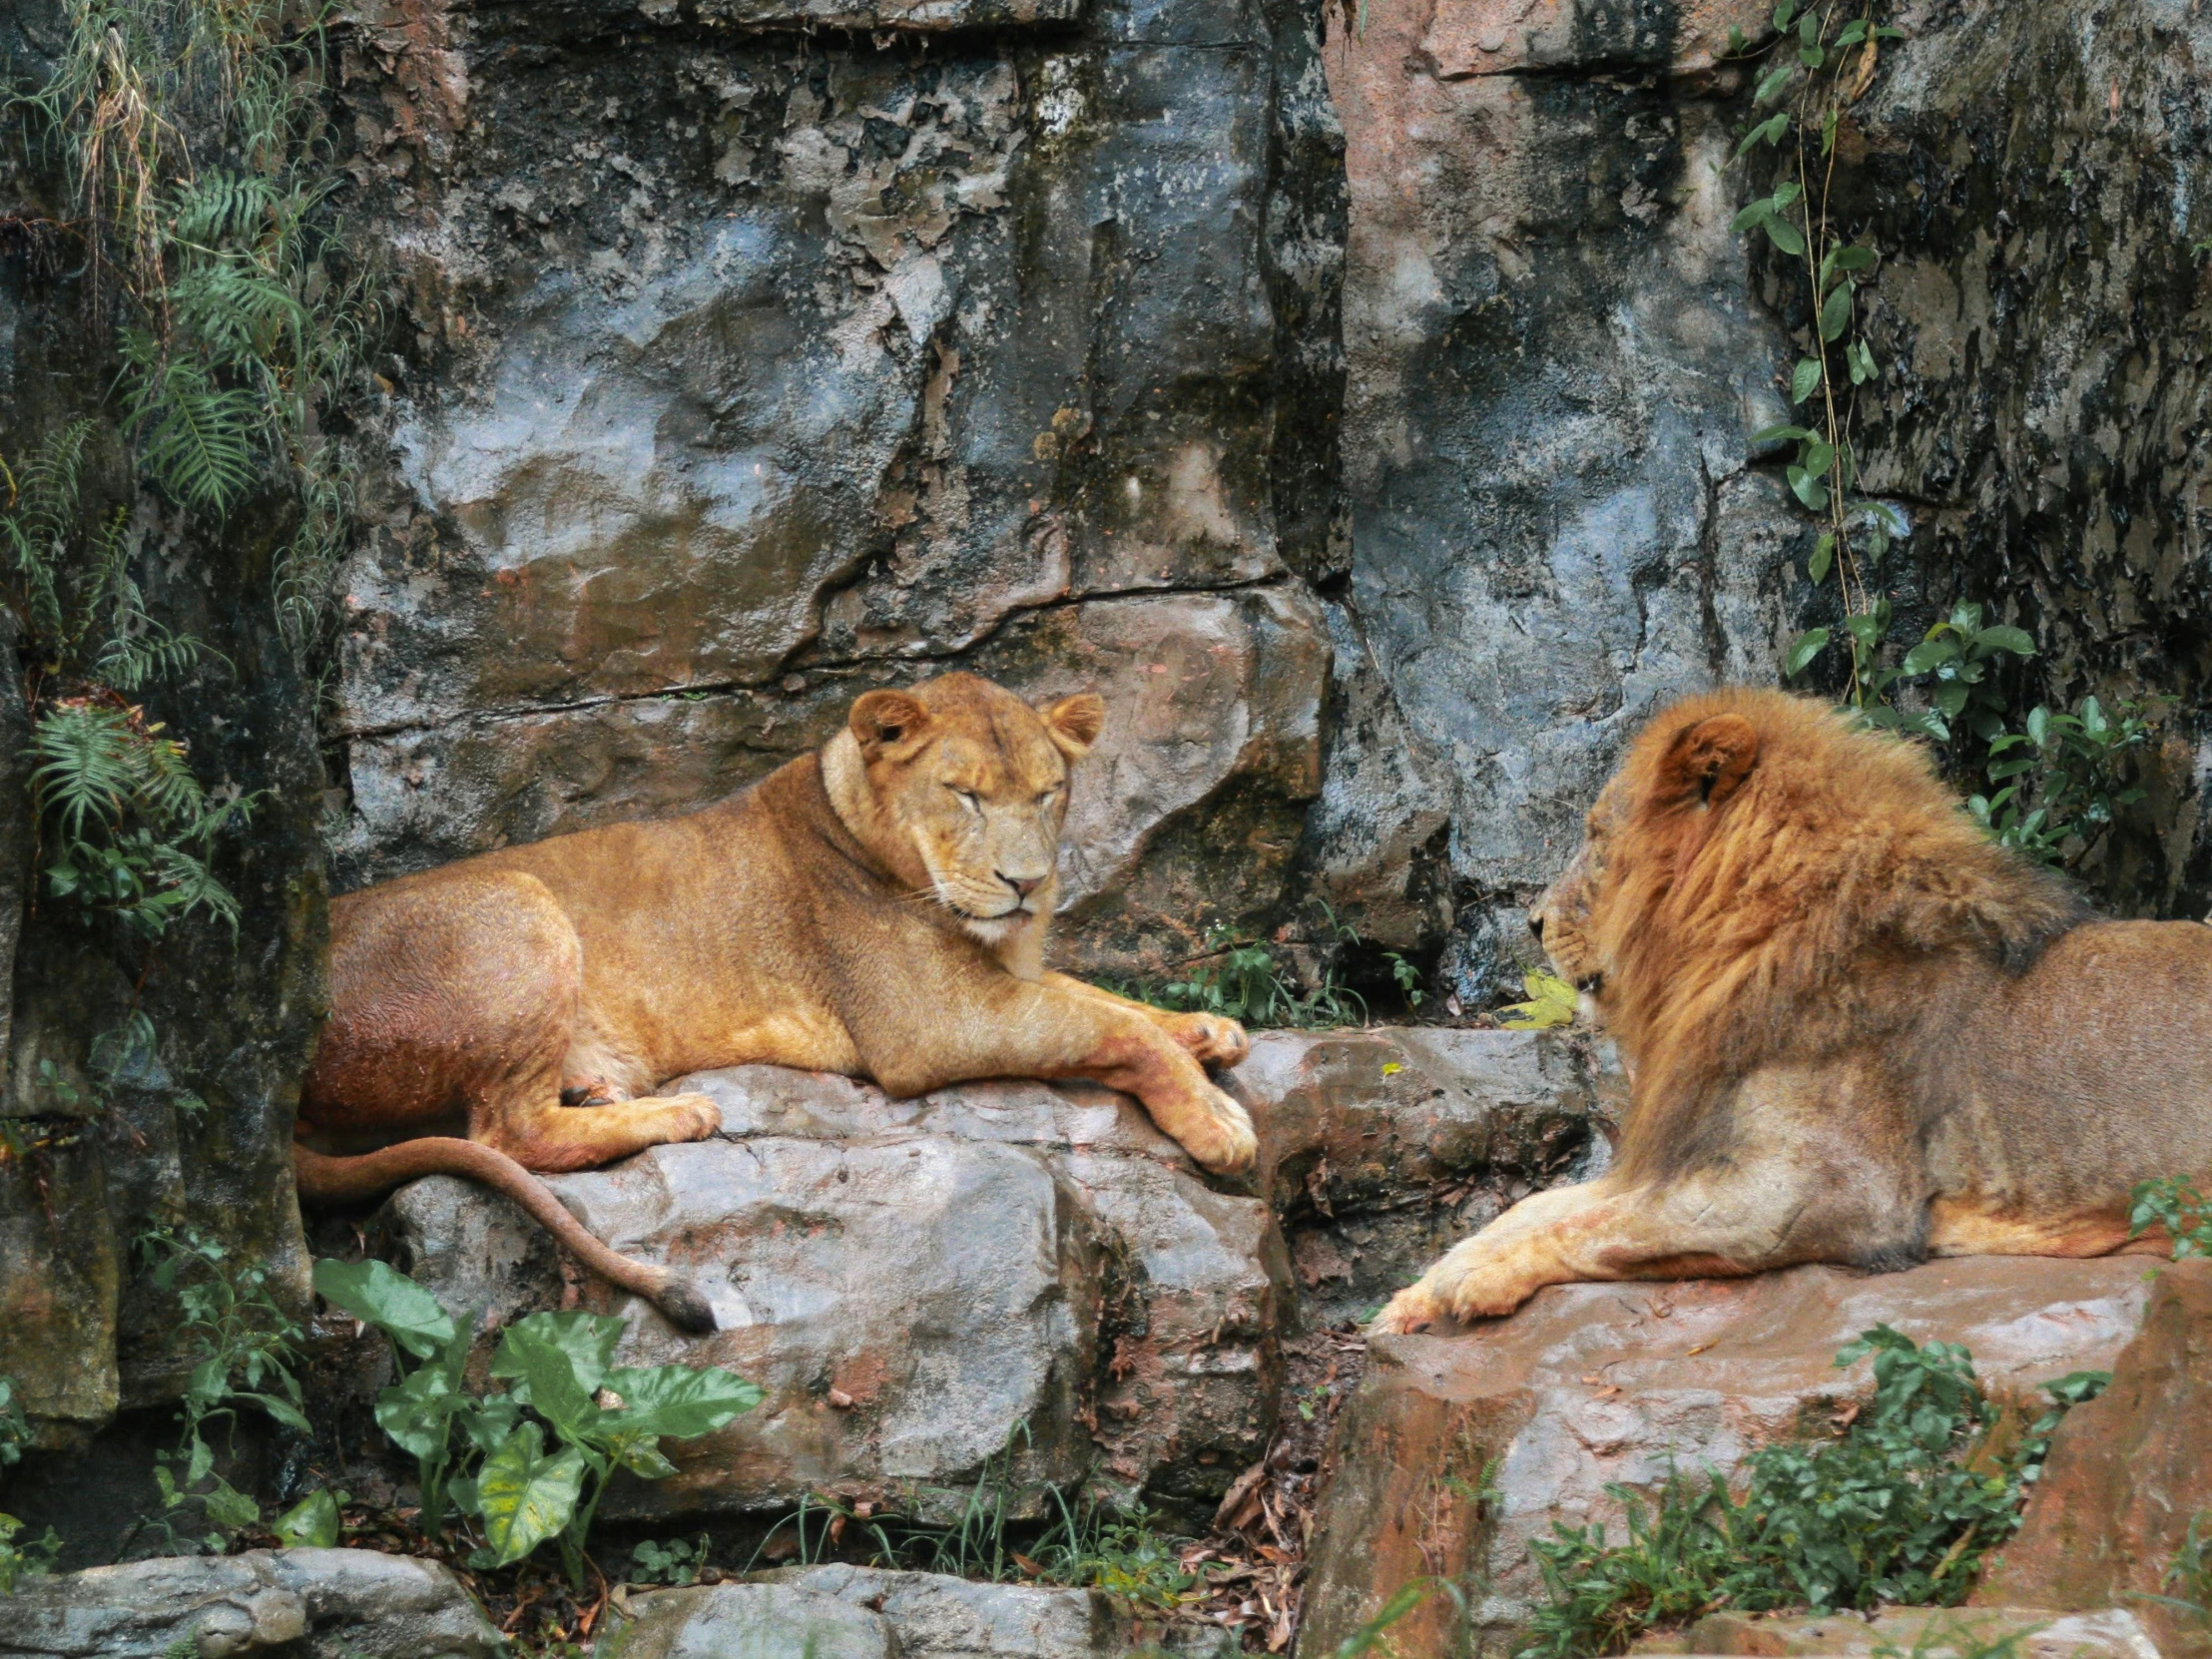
{"x": 686, "y": 1306}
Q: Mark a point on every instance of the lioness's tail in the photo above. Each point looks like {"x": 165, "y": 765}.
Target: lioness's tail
{"x": 329, "y": 1180}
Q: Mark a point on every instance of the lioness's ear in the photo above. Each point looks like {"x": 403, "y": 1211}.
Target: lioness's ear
{"x": 885, "y": 719}
{"x": 1712, "y": 759}
{"x": 1074, "y": 724}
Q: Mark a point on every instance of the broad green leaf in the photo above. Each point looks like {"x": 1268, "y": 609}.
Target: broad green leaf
{"x": 379, "y": 1295}
{"x": 311, "y": 1523}
{"x": 1808, "y": 26}
{"x": 1818, "y": 456}
{"x": 1930, "y": 722}
{"x": 524, "y": 1495}
{"x": 1887, "y": 31}
{"x": 2039, "y": 726}
{"x": 1803, "y": 650}
{"x": 557, "y": 1368}
{"x": 1786, "y": 192}
{"x": 2014, "y": 640}
{"x": 678, "y": 1401}
{"x": 1868, "y": 627}
{"x": 1736, "y": 42}
{"x": 1784, "y": 13}
{"x": 1811, "y": 56}
{"x": 1824, "y": 555}
{"x": 228, "y": 1507}
{"x": 1774, "y": 82}
{"x": 1859, "y": 359}
{"x": 1777, "y": 434}
{"x": 1782, "y": 233}
{"x": 1853, "y": 258}
{"x": 2000, "y": 770}
{"x": 1852, "y": 34}
{"x": 1808, "y": 488}
{"x": 1804, "y": 380}
{"x": 1928, "y": 653}
{"x": 2092, "y": 716}
{"x": 1757, "y": 212}
{"x": 1835, "y": 312}
{"x": 1965, "y": 615}
{"x": 1949, "y": 700}
{"x": 419, "y": 1411}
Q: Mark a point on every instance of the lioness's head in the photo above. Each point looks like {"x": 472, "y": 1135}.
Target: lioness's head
{"x": 960, "y": 787}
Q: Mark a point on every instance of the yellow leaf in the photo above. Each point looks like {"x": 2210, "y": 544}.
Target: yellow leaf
{"x": 1551, "y": 1003}
{"x": 1391, "y": 1068}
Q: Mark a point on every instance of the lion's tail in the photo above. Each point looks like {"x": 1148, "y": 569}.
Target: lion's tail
{"x": 328, "y": 1180}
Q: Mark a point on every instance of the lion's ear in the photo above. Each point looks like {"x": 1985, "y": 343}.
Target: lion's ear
{"x": 1712, "y": 759}
{"x": 885, "y": 720}
{"x": 1074, "y": 723}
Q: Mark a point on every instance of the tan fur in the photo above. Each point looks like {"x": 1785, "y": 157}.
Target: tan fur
{"x": 1858, "y": 1030}
{"x": 878, "y": 909}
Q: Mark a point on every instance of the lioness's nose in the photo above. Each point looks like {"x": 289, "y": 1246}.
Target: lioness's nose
{"x": 1022, "y": 889}
{"x": 1536, "y": 924}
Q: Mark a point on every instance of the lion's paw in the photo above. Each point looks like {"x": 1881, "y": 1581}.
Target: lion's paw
{"x": 1412, "y": 1309}
{"x": 1224, "y": 1141}
{"x": 1212, "y": 1040}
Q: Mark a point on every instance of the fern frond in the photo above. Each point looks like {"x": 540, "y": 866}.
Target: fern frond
{"x": 88, "y": 766}
{"x": 202, "y": 443}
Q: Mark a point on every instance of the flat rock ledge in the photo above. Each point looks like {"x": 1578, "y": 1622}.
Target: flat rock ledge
{"x": 303, "y": 1603}
{"x": 1458, "y": 1449}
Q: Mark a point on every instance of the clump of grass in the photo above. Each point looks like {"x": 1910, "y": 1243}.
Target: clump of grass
{"x": 1901, "y": 1508}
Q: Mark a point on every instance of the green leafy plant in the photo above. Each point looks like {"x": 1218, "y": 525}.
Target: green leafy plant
{"x": 243, "y": 1347}
{"x": 314, "y": 1522}
{"x": 1901, "y": 1508}
{"x": 2175, "y": 1204}
{"x": 676, "y": 1562}
{"x": 1240, "y": 979}
{"x": 1119, "y": 1551}
{"x": 1820, "y": 60}
{"x": 19, "y": 1561}
{"x": 2188, "y": 1576}
{"x": 561, "y": 1378}
{"x": 2057, "y": 781}
{"x": 193, "y": 132}
{"x": 1553, "y": 1003}
{"x": 1407, "y": 979}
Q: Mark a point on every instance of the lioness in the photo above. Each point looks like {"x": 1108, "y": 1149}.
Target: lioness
{"x": 1858, "y": 1029}
{"x": 878, "y": 909}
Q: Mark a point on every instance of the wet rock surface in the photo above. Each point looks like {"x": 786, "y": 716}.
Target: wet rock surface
{"x": 1458, "y": 1449}
{"x": 309, "y": 1603}
{"x": 2127, "y": 1475}
{"x": 841, "y": 1612}
{"x": 1010, "y": 1267}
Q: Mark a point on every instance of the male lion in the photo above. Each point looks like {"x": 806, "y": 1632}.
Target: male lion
{"x": 1858, "y": 1029}
{"x": 878, "y": 909}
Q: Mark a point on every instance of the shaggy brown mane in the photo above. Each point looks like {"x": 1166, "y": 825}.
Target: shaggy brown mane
{"x": 1749, "y": 884}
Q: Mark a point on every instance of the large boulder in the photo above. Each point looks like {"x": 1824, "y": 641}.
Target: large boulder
{"x": 1380, "y": 1148}
{"x": 923, "y": 1285}
{"x": 1459, "y": 1449}
{"x": 2127, "y": 1477}
{"x": 303, "y": 1603}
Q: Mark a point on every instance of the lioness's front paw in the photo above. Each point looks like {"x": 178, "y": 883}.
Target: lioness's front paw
{"x": 1223, "y": 1139}
{"x": 1212, "y": 1040}
{"x": 693, "y": 1117}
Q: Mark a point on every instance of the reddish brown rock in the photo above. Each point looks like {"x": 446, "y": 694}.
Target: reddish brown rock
{"x": 1457, "y": 1451}
{"x": 2126, "y": 1473}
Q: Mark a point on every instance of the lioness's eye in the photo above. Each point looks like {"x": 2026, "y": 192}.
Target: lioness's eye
{"x": 1050, "y": 795}
{"x": 967, "y": 798}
